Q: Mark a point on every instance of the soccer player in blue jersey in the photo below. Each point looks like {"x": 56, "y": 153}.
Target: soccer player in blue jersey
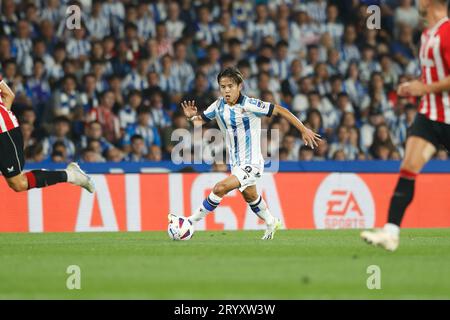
{"x": 239, "y": 119}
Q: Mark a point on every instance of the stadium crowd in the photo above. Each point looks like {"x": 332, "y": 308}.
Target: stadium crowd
{"x": 110, "y": 90}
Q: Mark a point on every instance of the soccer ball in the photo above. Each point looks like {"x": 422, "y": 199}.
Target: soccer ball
{"x": 180, "y": 228}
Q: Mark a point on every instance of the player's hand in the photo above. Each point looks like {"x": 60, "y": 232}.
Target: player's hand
{"x": 189, "y": 108}
{"x": 412, "y": 88}
{"x": 310, "y": 138}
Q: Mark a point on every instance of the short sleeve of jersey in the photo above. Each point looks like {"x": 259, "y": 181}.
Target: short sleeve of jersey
{"x": 445, "y": 46}
{"x": 258, "y": 107}
{"x": 210, "y": 113}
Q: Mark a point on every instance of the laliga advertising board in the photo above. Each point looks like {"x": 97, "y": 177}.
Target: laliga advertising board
{"x": 141, "y": 202}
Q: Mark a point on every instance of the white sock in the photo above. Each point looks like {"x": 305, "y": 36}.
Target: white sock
{"x": 392, "y": 229}
{"x": 209, "y": 204}
{"x": 259, "y": 207}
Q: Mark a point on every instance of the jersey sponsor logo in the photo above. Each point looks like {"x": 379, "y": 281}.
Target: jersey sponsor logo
{"x": 343, "y": 201}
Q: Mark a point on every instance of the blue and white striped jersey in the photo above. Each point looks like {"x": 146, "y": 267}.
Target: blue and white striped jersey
{"x": 241, "y": 126}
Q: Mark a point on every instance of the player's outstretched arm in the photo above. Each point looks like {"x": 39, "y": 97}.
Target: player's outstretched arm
{"x": 417, "y": 88}
{"x": 310, "y": 138}
{"x": 190, "y": 111}
{"x": 7, "y": 94}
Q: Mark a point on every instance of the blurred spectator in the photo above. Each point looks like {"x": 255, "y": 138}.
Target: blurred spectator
{"x": 60, "y": 148}
{"x": 305, "y": 153}
{"x": 368, "y": 129}
{"x": 34, "y": 153}
{"x": 160, "y": 117}
{"x": 349, "y": 50}
{"x": 90, "y": 155}
{"x": 79, "y": 46}
{"x": 442, "y": 154}
{"x": 382, "y": 144}
{"x": 94, "y": 131}
{"x": 137, "y": 149}
{"x": 27, "y": 131}
{"x": 332, "y": 25}
{"x": 61, "y": 130}
{"x": 181, "y": 68}
{"x": 128, "y": 114}
{"x": 143, "y": 128}
{"x": 292, "y": 147}
{"x": 339, "y": 155}
{"x": 67, "y": 101}
{"x": 321, "y": 152}
{"x": 57, "y": 157}
{"x": 343, "y": 144}
{"x": 105, "y": 116}
{"x": 406, "y": 13}
{"x": 37, "y": 87}
{"x": 174, "y": 24}
{"x": 154, "y": 153}
{"x": 137, "y": 79}
{"x": 200, "y": 92}
{"x": 179, "y": 122}
{"x": 114, "y": 155}
{"x": 97, "y": 24}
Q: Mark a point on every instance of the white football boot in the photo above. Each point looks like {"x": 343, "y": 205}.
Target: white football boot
{"x": 271, "y": 229}
{"x": 381, "y": 238}
{"x": 78, "y": 177}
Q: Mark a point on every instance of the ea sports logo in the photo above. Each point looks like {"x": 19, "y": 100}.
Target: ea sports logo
{"x": 343, "y": 200}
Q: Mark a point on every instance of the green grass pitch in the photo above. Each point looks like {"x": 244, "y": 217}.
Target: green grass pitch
{"x": 297, "y": 264}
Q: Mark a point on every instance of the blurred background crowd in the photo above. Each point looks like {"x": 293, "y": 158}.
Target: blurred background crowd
{"x": 111, "y": 89}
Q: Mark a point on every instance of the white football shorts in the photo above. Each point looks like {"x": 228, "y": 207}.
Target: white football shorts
{"x": 247, "y": 175}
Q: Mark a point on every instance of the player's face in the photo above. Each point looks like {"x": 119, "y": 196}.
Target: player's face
{"x": 229, "y": 89}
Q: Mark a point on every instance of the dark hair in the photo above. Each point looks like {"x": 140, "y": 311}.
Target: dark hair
{"x": 234, "y": 42}
{"x": 70, "y": 76}
{"x": 134, "y": 92}
{"x": 86, "y": 150}
{"x": 59, "y": 144}
{"x": 143, "y": 109}
{"x": 60, "y": 119}
{"x": 38, "y": 60}
{"x": 231, "y": 72}
{"x": 56, "y": 153}
{"x": 244, "y": 63}
{"x": 136, "y": 137}
{"x": 282, "y": 43}
{"x": 305, "y": 148}
{"x": 261, "y": 60}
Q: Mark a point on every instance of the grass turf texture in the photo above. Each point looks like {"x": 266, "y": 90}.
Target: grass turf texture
{"x": 297, "y": 264}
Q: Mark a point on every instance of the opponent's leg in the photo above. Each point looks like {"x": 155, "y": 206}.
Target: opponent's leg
{"x": 418, "y": 152}
{"x": 213, "y": 200}
{"x": 12, "y": 162}
{"x": 43, "y": 178}
{"x": 259, "y": 207}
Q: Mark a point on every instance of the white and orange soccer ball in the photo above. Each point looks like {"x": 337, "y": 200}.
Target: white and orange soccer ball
{"x": 180, "y": 228}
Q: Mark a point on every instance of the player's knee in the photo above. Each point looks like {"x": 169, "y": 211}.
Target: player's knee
{"x": 18, "y": 186}
{"x": 250, "y": 197}
{"x": 220, "y": 189}
{"x": 411, "y": 166}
